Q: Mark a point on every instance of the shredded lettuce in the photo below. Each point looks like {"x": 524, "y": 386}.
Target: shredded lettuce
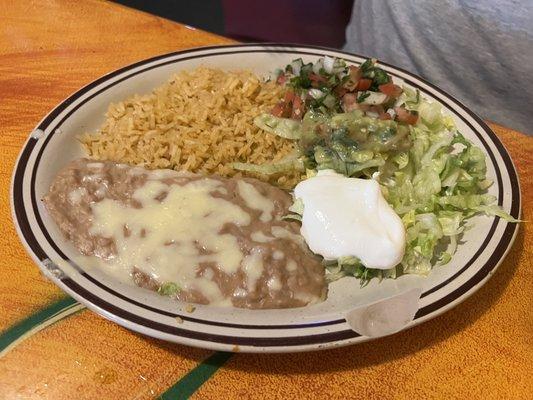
{"x": 432, "y": 176}
{"x": 296, "y": 210}
{"x": 352, "y": 266}
{"x": 297, "y": 207}
{"x": 439, "y": 184}
{"x": 284, "y": 127}
{"x": 495, "y": 210}
{"x": 287, "y": 164}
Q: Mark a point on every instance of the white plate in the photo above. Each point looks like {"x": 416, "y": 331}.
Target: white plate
{"x": 52, "y": 144}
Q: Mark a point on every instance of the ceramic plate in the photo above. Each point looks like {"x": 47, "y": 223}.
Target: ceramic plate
{"x": 350, "y": 314}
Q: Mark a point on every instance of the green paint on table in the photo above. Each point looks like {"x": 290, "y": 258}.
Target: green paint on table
{"x": 190, "y": 383}
{"x": 36, "y": 322}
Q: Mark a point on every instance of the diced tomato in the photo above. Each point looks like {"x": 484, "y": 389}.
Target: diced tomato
{"x": 284, "y": 108}
{"x": 390, "y": 89}
{"x": 403, "y": 115}
{"x": 349, "y": 98}
{"x": 340, "y": 91}
{"x": 277, "y": 111}
{"x": 289, "y": 96}
{"x": 355, "y": 106}
{"x": 378, "y": 109}
{"x": 282, "y": 78}
{"x": 297, "y": 108}
{"x": 287, "y": 110}
{"x": 317, "y": 78}
{"x": 364, "y": 84}
{"x": 355, "y": 73}
{"x": 349, "y": 103}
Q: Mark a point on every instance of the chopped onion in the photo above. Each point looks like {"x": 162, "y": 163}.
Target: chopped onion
{"x": 316, "y": 93}
{"x": 328, "y": 64}
{"x": 399, "y": 101}
{"x": 374, "y": 98}
{"x": 318, "y": 66}
{"x": 296, "y": 66}
{"x": 339, "y": 67}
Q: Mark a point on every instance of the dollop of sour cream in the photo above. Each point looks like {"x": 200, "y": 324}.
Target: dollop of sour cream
{"x": 349, "y": 217}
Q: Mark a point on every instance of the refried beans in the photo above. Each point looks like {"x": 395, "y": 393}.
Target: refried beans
{"x": 219, "y": 241}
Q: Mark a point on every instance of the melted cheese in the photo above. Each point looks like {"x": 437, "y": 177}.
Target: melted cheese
{"x": 282, "y": 233}
{"x": 95, "y": 165}
{"x": 168, "y": 239}
{"x": 274, "y": 284}
{"x": 253, "y": 268}
{"x": 291, "y": 266}
{"x": 150, "y": 191}
{"x": 260, "y": 237}
{"x": 256, "y": 200}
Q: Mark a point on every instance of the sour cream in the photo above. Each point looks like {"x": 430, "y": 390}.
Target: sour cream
{"x": 349, "y": 217}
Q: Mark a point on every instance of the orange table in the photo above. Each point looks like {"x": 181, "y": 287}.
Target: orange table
{"x": 54, "y": 349}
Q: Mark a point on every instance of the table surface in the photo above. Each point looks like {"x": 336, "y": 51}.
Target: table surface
{"x": 53, "y": 348}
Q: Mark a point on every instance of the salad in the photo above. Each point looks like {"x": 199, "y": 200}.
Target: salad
{"x": 356, "y": 121}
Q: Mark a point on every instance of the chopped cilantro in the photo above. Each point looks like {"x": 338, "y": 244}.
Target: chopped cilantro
{"x": 362, "y": 97}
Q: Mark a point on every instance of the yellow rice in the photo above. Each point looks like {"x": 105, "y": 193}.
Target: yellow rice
{"x": 200, "y": 121}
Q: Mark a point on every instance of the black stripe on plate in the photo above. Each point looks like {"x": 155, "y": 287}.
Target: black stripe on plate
{"x": 503, "y": 245}
{"x": 513, "y": 177}
{"x": 286, "y": 51}
{"x": 78, "y": 94}
{"x": 208, "y": 337}
{"x": 18, "y": 201}
{"x": 491, "y": 264}
{"x": 201, "y": 321}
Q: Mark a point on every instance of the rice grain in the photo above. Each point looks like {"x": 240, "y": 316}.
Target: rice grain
{"x": 200, "y": 121}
